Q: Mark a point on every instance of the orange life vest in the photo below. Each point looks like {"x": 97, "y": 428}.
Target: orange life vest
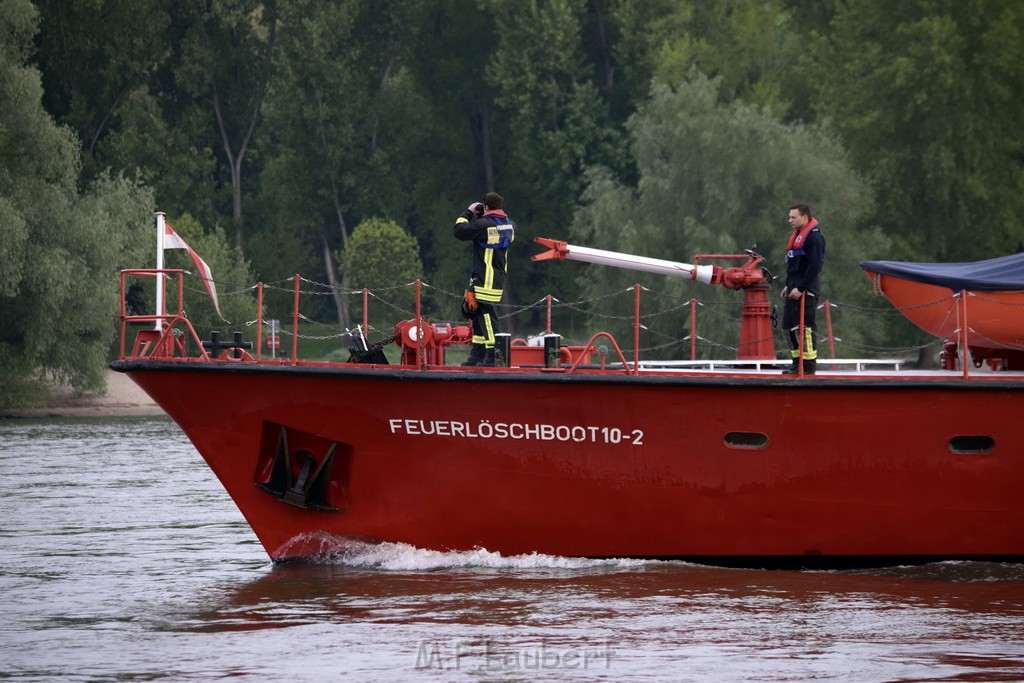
{"x": 795, "y": 247}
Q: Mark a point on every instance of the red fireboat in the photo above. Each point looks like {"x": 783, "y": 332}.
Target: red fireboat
{"x": 585, "y": 452}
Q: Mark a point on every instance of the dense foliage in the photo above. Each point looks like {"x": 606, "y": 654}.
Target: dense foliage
{"x": 381, "y": 256}
{"x": 717, "y": 178}
{"x": 661, "y": 127}
{"x": 61, "y": 247}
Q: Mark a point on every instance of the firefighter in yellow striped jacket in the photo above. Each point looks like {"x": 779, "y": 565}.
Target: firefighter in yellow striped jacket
{"x": 491, "y": 232}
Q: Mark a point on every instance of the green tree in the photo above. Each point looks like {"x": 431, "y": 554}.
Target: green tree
{"x": 61, "y": 249}
{"x": 327, "y": 127}
{"x": 557, "y": 120}
{"x": 557, "y": 124}
{"x": 176, "y": 102}
{"x": 716, "y": 178}
{"x": 165, "y": 148}
{"x": 382, "y": 257}
{"x": 446, "y": 121}
{"x": 227, "y": 63}
{"x": 93, "y": 55}
{"x": 749, "y": 45}
{"x": 928, "y": 96}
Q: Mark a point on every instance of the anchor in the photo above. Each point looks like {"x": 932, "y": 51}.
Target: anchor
{"x": 308, "y": 490}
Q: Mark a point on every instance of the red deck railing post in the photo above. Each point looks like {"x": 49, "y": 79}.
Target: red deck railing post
{"x": 828, "y": 324}
{"x": 366, "y": 314}
{"x": 419, "y": 330}
{"x": 800, "y": 336}
{"x": 295, "y": 322}
{"x": 163, "y": 302}
{"x": 963, "y": 332}
{"x": 693, "y": 329}
{"x": 181, "y": 312}
{"x": 124, "y": 312}
{"x": 636, "y": 327}
{"x": 259, "y": 320}
{"x": 181, "y": 294}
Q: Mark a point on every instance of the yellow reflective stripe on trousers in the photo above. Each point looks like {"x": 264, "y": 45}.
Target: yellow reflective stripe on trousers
{"x": 810, "y": 353}
{"x": 488, "y": 339}
{"x": 491, "y": 296}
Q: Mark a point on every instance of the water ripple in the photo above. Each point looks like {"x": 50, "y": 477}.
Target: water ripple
{"x": 123, "y": 559}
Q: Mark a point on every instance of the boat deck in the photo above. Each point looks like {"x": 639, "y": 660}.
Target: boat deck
{"x": 829, "y": 368}
{"x": 855, "y": 364}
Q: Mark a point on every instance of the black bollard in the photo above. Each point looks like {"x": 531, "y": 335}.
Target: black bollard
{"x": 503, "y": 350}
{"x": 214, "y": 346}
{"x": 239, "y": 345}
{"x": 552, "y": 351}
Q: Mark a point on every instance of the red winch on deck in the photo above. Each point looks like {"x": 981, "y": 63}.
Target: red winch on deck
{"x": 431, "y": 340}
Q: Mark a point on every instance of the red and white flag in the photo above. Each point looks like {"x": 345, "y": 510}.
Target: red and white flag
{"x": 172, "y": 240}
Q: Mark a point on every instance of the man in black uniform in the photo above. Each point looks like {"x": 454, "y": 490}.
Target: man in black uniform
{"x": 491, "y": 231}
{"x": 805, "y": 258}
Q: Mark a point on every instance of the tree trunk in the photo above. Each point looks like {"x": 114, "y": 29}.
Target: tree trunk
{"x": 344, "y": 321}
{"x": 342, "y": 227}
{"x": 103, "y": 124}
{"x": 376, "y": 115}
{"x": 609, "y": 68}
{"x": 340, "y": 304}
{"x": 485, "y": 152}
{"x": 479, "y": 124}
{"x": 235, "y": 158}
{"x": 335, "y": 198}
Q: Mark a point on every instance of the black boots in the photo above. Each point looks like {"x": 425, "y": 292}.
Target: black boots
{"x": 480, "y": 355}
{"x": 810, "y": 366}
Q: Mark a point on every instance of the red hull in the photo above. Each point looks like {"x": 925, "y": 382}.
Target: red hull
{"x": 740, "y": 466}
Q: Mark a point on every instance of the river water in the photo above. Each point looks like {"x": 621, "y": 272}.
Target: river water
{"x": 122, "y": 559}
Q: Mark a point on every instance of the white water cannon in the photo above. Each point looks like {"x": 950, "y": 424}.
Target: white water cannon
{"x": 741, "y": 277}
{"x": 756, "y": 337}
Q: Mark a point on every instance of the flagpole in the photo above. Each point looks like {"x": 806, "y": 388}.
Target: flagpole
{"x": 159, "y": 266}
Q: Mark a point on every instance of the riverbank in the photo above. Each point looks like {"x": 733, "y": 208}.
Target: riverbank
{"x": 123, "y": 399}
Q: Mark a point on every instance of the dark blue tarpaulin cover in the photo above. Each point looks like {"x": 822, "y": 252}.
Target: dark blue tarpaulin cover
{"x": 1003, "y": 273}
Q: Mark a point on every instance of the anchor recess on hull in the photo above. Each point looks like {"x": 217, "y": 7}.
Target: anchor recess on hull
{"x": 309, "y": 486}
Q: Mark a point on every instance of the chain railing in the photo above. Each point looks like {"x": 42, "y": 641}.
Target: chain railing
{"x": 660, "y": 322}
